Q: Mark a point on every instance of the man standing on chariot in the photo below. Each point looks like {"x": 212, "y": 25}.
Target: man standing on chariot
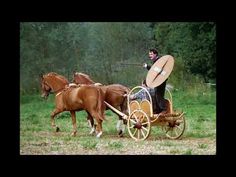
{"x": 159, "y": 103}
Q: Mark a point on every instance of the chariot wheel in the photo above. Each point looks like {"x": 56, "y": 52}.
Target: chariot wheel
{"x": 139, "y": 125}
{"x": 175, "y": 130}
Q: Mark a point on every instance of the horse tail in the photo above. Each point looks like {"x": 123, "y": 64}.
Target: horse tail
{"x": 124, "y": 106}
{"x": 127, "y": 90}
{"x": 101, "y": 104}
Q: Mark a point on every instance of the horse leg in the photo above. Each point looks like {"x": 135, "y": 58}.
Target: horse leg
{"x": 120, "y": 126}
{"x": 53, "y": 114}
{"x": 99, "y": 128}
{"x": 73, "y": 117}
{"x": 91, "y": 123}
{"x": 124, "y": 109}
{"x": 99, "y": 122}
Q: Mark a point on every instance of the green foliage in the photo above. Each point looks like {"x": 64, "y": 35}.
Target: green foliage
{"x": 109, "y": 45}
{"x": 46, "y": 47}
{"x": 94, "y": 48}
{"x": 100, "y": 48}
{"x": 193, "y": 42}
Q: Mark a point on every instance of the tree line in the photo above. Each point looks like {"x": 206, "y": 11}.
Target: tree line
{"x": 101, "y": 50}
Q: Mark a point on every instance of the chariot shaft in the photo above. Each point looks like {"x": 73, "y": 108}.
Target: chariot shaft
{"x": 117, "y": 111}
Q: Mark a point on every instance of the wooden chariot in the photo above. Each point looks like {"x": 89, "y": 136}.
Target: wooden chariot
{"x": 141, "y": 118}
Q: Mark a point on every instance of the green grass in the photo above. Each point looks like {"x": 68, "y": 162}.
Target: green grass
{"x": 202, "y": 146}
{"x": 89, "y": 144}
{"x": 188, "y": 152}
{"x": 36, "y": 131}
{"x": 115, "y": 145}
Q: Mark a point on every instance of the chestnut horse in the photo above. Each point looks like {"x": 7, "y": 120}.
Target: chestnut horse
{"x": 74, "y": 98}
{"x": 114, "y": 95}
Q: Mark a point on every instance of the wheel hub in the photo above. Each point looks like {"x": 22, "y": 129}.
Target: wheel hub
{"x": 138, "y": 125}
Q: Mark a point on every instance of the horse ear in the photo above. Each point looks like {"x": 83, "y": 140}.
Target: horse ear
{"x": 41, "y": 75}
{"x": 74, "y": 72}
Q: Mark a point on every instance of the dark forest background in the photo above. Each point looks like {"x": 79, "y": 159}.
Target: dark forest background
{"x": 101, "y": 49}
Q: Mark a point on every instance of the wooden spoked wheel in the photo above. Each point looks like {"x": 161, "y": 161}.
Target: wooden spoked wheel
{"x": 175, "y": 129}
{"x": 139, "y": 125}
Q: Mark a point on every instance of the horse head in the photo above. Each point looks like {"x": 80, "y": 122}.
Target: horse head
{"x": 52, "y": 83}
{"x": 45, "y": 88}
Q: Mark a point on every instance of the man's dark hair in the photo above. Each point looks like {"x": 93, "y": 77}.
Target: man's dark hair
{"x": 144, "y": 82}
{"x": 154, "y": 51}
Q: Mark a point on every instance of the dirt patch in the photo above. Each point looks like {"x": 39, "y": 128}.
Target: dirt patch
{"x": 62, "y": 144}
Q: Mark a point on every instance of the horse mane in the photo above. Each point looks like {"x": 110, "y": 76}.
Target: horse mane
{"x": 52, "y": 73}
{"x": 84, "y": 76}
{"x": 57, "y": 75}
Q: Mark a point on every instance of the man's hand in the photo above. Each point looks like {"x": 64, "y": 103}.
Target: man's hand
{"x": 145, "y": 65}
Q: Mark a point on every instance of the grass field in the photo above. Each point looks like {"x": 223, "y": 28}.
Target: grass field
{"x": 37, "y": 136}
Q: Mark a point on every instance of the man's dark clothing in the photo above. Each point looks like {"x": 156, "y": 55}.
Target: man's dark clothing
{"x": 159, "y": 103}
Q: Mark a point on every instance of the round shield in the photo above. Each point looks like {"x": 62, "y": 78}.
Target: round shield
{"x": 160, "y": 71}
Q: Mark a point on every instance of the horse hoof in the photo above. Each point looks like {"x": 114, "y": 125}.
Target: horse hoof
{"x": 92, "y": 131}
{"x": 57, "y": 129}
{"x": 120, "y": 133}
{"x": 73, "y": 134}
{"x": 99, "y": 135}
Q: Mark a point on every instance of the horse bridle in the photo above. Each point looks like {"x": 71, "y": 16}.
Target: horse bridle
{"x": 51, "y": 90}
{"x": 45, "y": 84}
